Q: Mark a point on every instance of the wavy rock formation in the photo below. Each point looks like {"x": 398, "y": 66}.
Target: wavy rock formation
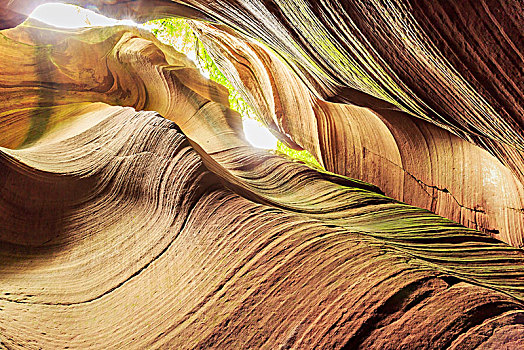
{"x": 408, "y": 158}
{"x": 135, "y": 215}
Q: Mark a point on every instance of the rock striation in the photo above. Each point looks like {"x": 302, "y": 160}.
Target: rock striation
{"x": 135, "y": 215}
{"x": 407, "y": 157}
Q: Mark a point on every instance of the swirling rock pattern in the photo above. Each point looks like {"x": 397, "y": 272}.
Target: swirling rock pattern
{"x": 408, "y": 158}
{"x": 455, "y": 63}
{"x": 134, "y": 214}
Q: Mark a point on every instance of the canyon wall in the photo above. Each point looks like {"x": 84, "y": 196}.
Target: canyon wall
{"x": 134, "y": 214}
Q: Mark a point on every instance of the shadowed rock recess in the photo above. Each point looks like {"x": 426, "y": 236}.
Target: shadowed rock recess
{"x": 134, "y": 215}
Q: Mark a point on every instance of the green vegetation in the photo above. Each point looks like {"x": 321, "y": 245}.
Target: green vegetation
{"x": 303, "y": 156}
{"x": 177, "y": 33}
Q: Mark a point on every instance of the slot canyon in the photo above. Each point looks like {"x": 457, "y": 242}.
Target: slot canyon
{"x": 134, "y": 214}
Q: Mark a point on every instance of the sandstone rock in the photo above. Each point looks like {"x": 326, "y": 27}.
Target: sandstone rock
{"x": 135, "y": 215}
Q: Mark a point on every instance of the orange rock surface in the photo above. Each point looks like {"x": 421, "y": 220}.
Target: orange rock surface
{"x": 133, "y": 213}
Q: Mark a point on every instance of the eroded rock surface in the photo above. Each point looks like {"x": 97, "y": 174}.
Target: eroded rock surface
{"x": 134, "y": 214}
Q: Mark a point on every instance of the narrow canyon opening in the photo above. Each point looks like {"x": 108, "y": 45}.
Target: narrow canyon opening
{"x": 143, "y": 206}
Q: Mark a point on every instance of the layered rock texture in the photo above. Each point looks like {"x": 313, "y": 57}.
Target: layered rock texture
{"x": 135, "y": 215}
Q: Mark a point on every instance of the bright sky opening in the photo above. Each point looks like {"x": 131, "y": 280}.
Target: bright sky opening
{"x": 257, "y": 135}
{"x": 71, "y": 16}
